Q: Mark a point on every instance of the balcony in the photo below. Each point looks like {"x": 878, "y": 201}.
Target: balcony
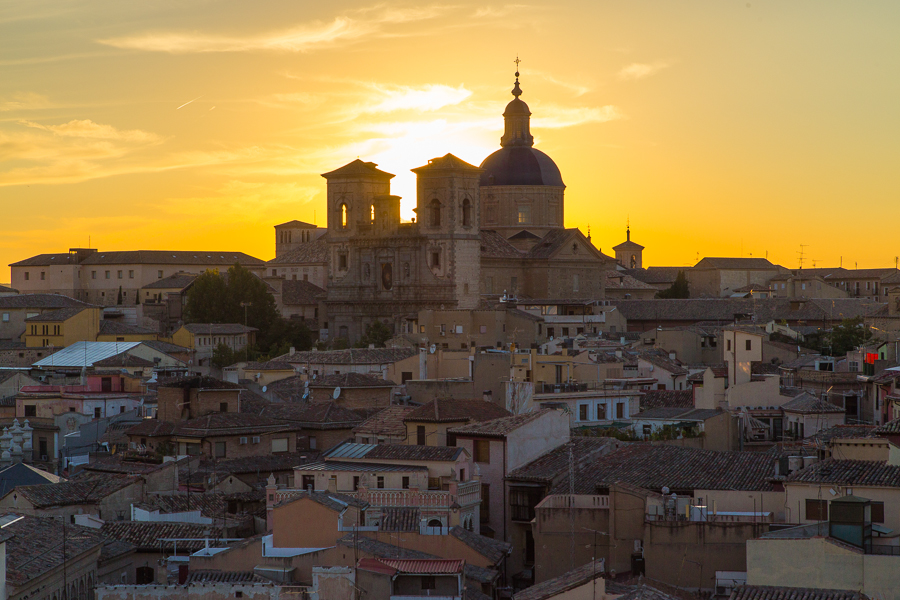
{"x": 467, "y": 494}
{"x": 578, "y": 501}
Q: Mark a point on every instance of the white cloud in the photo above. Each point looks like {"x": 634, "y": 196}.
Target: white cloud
{"x": 558, "y": 117}
{"x": 423, "y": 98}
{"x": 641, "y": 70}
{"x": 85, "y": 128}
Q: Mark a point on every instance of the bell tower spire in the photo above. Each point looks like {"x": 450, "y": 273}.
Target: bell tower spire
{"x": 517, "y": 119}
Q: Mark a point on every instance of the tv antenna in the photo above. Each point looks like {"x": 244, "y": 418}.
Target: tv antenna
{"x": 801, "y": 253}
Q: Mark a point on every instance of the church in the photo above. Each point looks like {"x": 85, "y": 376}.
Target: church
{"x": 479, "y": 233}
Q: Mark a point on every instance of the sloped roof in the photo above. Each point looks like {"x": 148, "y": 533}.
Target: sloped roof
{"x": 34, "y": 546}
{"x": 146, "y": 535}
{"x": 318, "y": 415}
{"x": 386, "y": 422}
{"x": 299, "y": 292}
{"x": 622, "y": 281}
{"x": 654, "y": 466}
{"x": 350, "y": 356}
{"x": 448, "y": 161}
{"x": 849, "y": 472}
{"x": 178, "y": 281}
{"x": 197, "y": 381}
{"x": 569, "y": 580}
{"x": 491, "y": 549}
{"x": 314, "y": 252}
{"x": 771, "y": 592}
{"x": 808, "y": 404}
{"x": 111, "y": 327}
{"x": 658, "y": 275}
{"x": 494, "y": 245}
{"x": 85, "y": 354}
{"x": 62, "y": 314}
{"x": 145, "y": 257}
{"x": 230, "y": 577}
{"x": 550, "y": 465}
{"x": 451, "y": 411}
{"x": 330, "y": 500}
{"x": 20, "y": 474}
{"x": 734, "y": 263}
{"x": 669, "y": 398}
{"x": 297, "y": 225}
{"x": 400, "y": 519}
{"x": 349, "y": 450}
{"x": 556, "y": 238}
{"x": 358, "y": 167}
{"x": 90, "y": 489}
{"x": 501, "y": 427}
{"x": 351, "y": 380}
{"x": 218, "y": 328}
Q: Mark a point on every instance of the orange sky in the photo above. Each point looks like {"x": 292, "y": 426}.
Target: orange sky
{"x": 717, "y": 127}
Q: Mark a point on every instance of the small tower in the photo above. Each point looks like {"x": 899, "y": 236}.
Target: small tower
{"x": 629, "y": 254}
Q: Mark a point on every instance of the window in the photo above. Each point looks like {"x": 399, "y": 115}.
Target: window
{"x": 749, "y": 345}
{"x": 524, "y": 214}
{"x": 853, "y": 366}
{"x": 729, "y": 346}
{"x": 27, "y": 276}
{"x": 816, "y": 510}
{"x": 575, "y": 283}
{"x": 583, "y": 412}
{"x": 120, "y": 274}
{"x": 220, "y": 449}
{"x": 342, "y": 261}
{"x": 379, "y": 482}
{"x": 485, "y": 509}
{"x": 159, "y": 275}
{"x": 355, "y": 482}
{"x": 6, "y": 317}
{"x": 420, "y": 435}
{"x": 106, "y": 274}
{"x": 620, "y": 410}
{"x": 98, "y": 412}
{"x": 428, "y": 582}
{"x": 345, "y": 216}
{"x": 878, "y": 512}
{"x": 274, "y": 272}
{"x": 466, "y": 213}
{"x": 435, "y": 212}
{"x": 435, "y": 259}
{"x": 93, "y": 274}
{"x": 30, "y": 410}
{"x": 372, "y": 214}
{"x": 309, "y": 482}
{"x": 482, "y": 451}
{"x": 279, "y": 445}
{"x": 43, "y": 276}
{"x": 405, "y": 483}
{"x": 131, "y": 274}
{"x": 223, "y": 407}
{"x": 513, "y": 284}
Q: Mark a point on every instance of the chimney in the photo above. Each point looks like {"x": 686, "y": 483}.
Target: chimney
{"x": 292, "y": 351}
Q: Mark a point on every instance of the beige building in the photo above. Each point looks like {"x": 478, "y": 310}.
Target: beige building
{"x": 628, "y": 253}
{"x": 98, "y": 277}
{"x": 715, "y": 277}
{"x": 203, "y": 338}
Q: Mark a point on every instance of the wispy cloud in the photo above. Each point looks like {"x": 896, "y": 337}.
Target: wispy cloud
{"x": 24, "y": 101}
{"x": 422, "y": 98}
{"x": 499, "y": 11}
{"x": 579, "y": 89}
{"x": 85, "y": 128}
{"x": 641, "y": 70}
{"x": 556, "y": 117}
{"x": 304, "y": 37}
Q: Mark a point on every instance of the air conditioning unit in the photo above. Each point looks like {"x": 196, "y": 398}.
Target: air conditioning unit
{"x": 255, "y": 439}
{"x": 243, "y": 441}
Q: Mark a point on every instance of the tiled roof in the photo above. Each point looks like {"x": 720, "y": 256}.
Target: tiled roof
{"x": 376, "y": 548}
{"x": 400, "y": 519}
{"x": 734, "y": 263}
{"x": 663, "y": 362}
{"x": 350, "y": 356}
{"x": 658, "y": 275}
{"x": 565, "y": 582}
{"x": 269, "y": 365}
{"x": 91, "y": 489}
{"x": 331, "y": 500}
{"x": 675, "y": 413}
{"x": 889, "y": 428}
{"x": 768, "y": 592}
{"x": 41, "y": 301}
{"x": 358, "y": 167}
{"x": 62, "y": 314}
{"x": 845, "y": 431}
{"x": 109, "y": 327}
{"x": 491, "y": 549}
{"x": 349, "y": 450}
{"x": 418, "y": 565}
{"x": 450, "y": 411}
{"x": 808, "y": 404}
{"x": 232, "y": 577}
{"x": 357, "y": 467}
{"x": 146, "y": 536}
{"x": 148, "y": 257}
{"x": 550, "y": 465}
{"x": 324, "y": 415}
{"x": 230, "y": 424}
{"x": 698, "y": 310}
{"x": 210, "y": 505}
{"x": 386, "y": 422}
{"x": 718, "y": 371}
{"x": 297, "y": 225}
{"x": 314, "y": 252}
{"x": 178, "y": 281}
{"x": 351, "y": 380}
{"x": 152, "y": 428}
{"x": 622, "y": 281}
{"x": 494, "y": 245}
{"x": 34, "y": 546}
{"x": 5, "y": 289}
{"x": 196, "y": 381}
{"x": 849, "y": 472}
{"x": 298, "y": 292}
{"x": 669, "y": 398}
{"x": 261, "y": 465}
{"x": 499, "y": 427}
{"x": 124, "y": 360}
{"x": 654, "y": 466}
{"x": 289, "y": 389}
{"x": 165, "y": 347}
{"x": 121, "y": 463}
{"x": 218, "y": 328}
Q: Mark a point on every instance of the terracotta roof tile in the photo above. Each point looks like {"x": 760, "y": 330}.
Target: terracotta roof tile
{"x": 806, "y": 403}
{"x": 450, "y": 411}
{"x": 767, "y": 592}
{"x": 849, "y": 472}
{"x": 386, "y": 422}
{"x": 148, "y": 536}
{"x": 551, "y": 465}
{"x": 314, "y": 252}
{"x": 35, "y": 546}
{"x": 499, "y": 427}
{"x": 669, "y": 398}
{"x": 298, "y": 292}
{"x": 90, "y": 489}
{"x": 351, "y": 380}
{"x": 350, "y": 356}
{"x": 569, "y": 580}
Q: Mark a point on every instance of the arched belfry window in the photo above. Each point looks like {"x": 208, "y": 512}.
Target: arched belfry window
{"x": 633, "y": 261}
{"x": 435, "y": 209}
{"x": 372, "y": 214}
{"x": 466, "y": 213}
{"x": 345, "y": 215}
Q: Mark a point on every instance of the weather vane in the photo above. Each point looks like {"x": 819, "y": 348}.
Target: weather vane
{"x": 517, "y": 61}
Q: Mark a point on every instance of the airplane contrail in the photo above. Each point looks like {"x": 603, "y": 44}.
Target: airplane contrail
{"x": 188, "y": 102}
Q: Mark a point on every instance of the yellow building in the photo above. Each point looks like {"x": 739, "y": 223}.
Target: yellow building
{"x": 62, "y": 327}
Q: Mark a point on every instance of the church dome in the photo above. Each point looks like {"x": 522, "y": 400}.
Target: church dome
{"x": 517, "y": 162}
{"x": 520, "y": 165}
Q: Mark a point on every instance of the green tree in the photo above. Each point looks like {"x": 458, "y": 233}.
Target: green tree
{"x": 206, "y": 299}
{"x": 679, "y": 289}
{"x": 377, "y": 333}
{"x": 847, "y": 336}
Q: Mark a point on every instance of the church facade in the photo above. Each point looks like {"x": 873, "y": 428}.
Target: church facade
{"x": 479, "y": 233}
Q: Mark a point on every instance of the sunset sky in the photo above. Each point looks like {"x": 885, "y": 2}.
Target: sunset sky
{"x": 719, "y": 128}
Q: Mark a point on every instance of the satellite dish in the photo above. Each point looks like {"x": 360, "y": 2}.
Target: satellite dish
{"x": 264, "y": 389}
{"x": 337, "y": 392}
{"x": 432, "y": 348}
{"x": 306, "y": 383}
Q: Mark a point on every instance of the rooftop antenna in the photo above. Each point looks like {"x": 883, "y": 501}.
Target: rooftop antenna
{"x": 802, "y": 246}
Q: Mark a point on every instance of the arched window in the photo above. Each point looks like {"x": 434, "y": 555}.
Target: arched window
{"x": 345, "y": 216}
{"x": 372, "y": 214}
{"x": 435, "y": 213}
{"x": 633, "y": 261}
{"x": 466, "y": 213}
{"x": 435, "y": 523}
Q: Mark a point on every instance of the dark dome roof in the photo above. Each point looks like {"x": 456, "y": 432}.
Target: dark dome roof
{"x": 520, "y": 165}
